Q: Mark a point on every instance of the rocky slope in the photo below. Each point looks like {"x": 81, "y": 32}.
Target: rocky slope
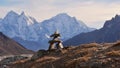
{"x": 10, "y": 47}
{"x": 35, "y": 35}
{"x": 91, "y": 55}
{"x": 109, "y": 33}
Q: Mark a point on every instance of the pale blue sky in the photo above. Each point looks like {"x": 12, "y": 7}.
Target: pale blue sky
{"x": 92, "y": 12}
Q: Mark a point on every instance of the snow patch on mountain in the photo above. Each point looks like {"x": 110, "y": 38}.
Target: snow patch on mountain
{"x": 28, "y": 29}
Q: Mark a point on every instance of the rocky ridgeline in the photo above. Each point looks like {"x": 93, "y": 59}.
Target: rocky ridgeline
{"x": 10, "y": 59}
{"x": 93, "y": 55}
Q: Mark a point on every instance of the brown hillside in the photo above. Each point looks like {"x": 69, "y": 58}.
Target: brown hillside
{"x": 84, "y": 56}
{"x": 10, "y": 47}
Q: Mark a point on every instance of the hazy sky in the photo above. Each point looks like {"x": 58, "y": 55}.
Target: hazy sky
{"x": 92, "y": 12}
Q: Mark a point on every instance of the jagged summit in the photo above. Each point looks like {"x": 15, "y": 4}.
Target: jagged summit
{"x": 109, "y": 33}
{"x": 117, "y": 16}
{"x": 19, "y": 18}
{"x": 62, "y": 15}
{"x": 12, "y": 12}
{"x": 23, "y": 13}
{"x": 115, "y": 21}
{"x": 34, "y": 35}
{"x": 11, "y": 16}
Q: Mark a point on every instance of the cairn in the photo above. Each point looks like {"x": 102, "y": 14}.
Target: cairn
{"x": 55, "y": 43}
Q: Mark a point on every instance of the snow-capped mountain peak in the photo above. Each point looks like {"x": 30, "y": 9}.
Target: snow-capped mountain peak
{"x": 26, "y": 19}
{"x": 23, "y": 13}
{"x": 26, "y": 28}
{"x": 15, "y": 25}
{"x": 61, "y": 15}
{"x": 68, "y": 27}
{"x": 10, "y": 17}
{"x": 12, "y": 13}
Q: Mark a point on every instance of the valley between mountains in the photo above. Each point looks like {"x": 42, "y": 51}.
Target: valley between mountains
{"x": 24, "y": 43}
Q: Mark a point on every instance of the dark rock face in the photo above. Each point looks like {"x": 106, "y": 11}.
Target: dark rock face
{"x": 109, "y": 33}
{"x": 9, "y": 60}
{"x": 10, "y": 47}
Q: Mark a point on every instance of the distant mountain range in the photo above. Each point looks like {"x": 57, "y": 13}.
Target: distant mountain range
{"x": 10, "y": 47}
{"x": 110, "y": 32}
{"x": 34, "y": 35}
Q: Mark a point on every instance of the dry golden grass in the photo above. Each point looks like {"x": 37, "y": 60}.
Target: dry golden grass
{"x": 113, "y": 53}
{"x": 89, "y": 45}
{"x": 116, "y": 44}
{"x": 76, "y": 62}
{"x": 83, "y": 59}
{"x": 83, "y": 56}
{"x": 43, "y": 59}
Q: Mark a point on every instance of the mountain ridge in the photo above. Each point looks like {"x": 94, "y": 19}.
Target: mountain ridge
{"x": 108, "y": 33}
{"x": 10, "y": 47}
{"x": 28, "y": 29}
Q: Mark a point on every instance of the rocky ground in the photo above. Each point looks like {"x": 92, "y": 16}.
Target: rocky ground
{"x": 93, "y": 55}
{"x": 6, "y": 60}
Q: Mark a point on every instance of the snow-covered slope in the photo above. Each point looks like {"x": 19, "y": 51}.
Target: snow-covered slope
{"x": 0, "y": 19}
{"x": 66, "y": 25}
{"x": 27, "y": 30}
{"x": 14, "y": 25}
